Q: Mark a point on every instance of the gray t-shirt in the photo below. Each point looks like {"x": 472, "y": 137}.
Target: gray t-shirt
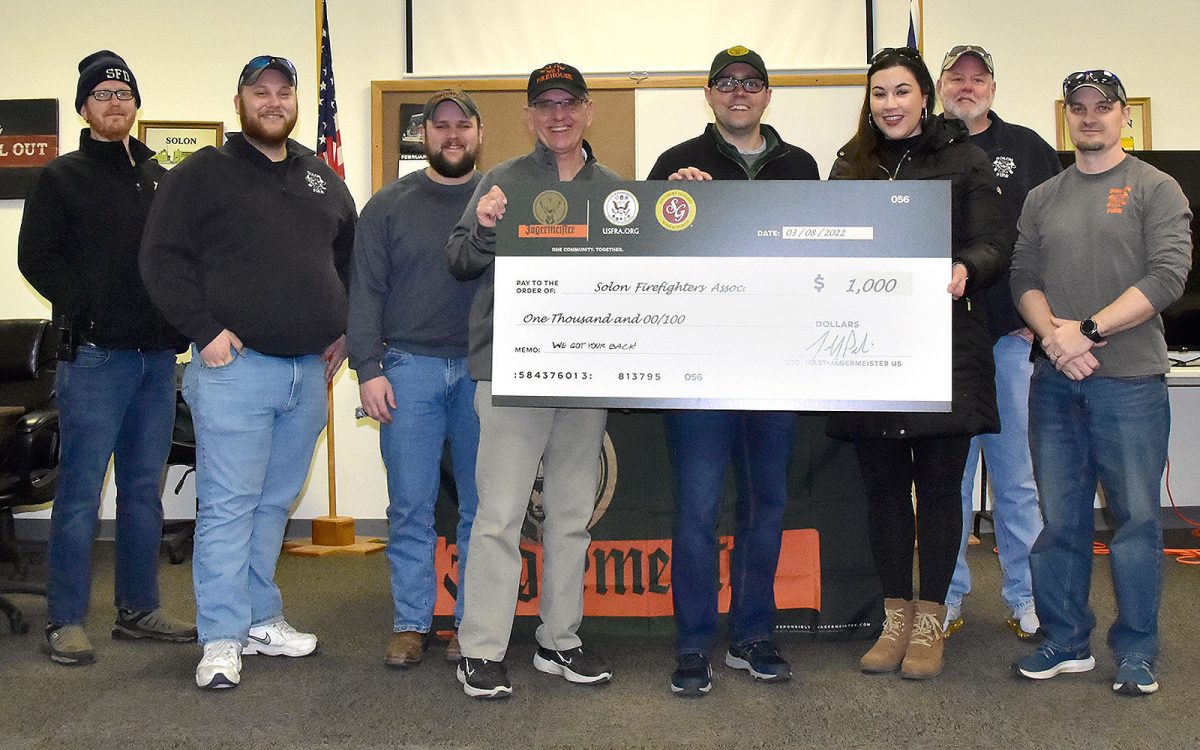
{"x": 1084, "y": 239}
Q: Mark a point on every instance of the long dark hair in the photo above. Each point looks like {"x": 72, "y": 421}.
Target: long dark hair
{"x": 862, "y": 151}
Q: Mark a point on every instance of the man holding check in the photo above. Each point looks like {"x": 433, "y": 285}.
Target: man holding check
{"x": 513, "y": 439}
{"x": 737, "y": 146}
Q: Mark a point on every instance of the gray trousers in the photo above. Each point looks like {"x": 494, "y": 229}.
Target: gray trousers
{"x": 512, "y": 439}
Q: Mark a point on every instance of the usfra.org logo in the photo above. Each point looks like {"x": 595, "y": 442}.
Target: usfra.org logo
{"x": 621, "y": 208}
{"x": 675, "y": 210}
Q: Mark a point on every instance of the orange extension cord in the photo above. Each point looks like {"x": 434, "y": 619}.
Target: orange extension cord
{"x": 1182, "y": 555}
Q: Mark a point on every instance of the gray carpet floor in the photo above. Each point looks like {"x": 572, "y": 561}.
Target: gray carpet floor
{"x": 143, "y": 694}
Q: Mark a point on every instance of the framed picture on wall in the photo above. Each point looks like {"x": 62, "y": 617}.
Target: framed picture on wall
{"x": 1135, "y": 136}
{"x": 173, "y": 141}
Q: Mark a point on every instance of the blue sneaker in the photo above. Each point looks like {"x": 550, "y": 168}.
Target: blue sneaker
{"x": 1134, "y": 677}
{"x": 761, "y": 659}
{"x": 692, "y": 676}
{"x": 1049, "y": 661}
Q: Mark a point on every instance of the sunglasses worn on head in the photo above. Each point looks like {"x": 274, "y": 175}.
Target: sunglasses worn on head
{"x": 908, "y": 52}
{"x": 1102, "y": 77}
{"x": 961, "y": 49}
{"x": 256, "y": 66}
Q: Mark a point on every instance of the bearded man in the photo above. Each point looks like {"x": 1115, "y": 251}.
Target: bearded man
{"x": 247, "y": 252}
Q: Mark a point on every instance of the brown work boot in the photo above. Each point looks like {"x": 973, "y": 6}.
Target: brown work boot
{"x": 453, "y": 650}
{"x": 405, "y": 649}
{"x": 888, "y": 651}
{"x": 924, "y": 657}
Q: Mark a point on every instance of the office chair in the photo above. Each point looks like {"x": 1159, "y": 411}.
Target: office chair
{"x": 28, "y": 443}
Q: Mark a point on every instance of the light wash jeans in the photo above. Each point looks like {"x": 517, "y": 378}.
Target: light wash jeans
{"x": 1015, "y": 512}
{"x": 435, "y": 403}
{"x": 257, "y": 421}
{"x": 1114, "y": 430}
{"x": 119, "y": 404}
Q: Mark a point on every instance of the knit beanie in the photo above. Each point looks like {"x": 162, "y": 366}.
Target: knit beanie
{"x": 99, "y": 67}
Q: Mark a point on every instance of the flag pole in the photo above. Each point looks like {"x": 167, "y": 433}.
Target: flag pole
{"x": 331, "y": 534}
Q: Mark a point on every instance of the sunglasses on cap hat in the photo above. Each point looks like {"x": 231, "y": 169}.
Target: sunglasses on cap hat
{"x": 1104, "y": 81}
{"x": 959, "y": 50}
{"x": 256, "y": 66}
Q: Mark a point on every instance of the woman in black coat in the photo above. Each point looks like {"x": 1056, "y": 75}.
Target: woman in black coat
{"x": 898, "y": 139}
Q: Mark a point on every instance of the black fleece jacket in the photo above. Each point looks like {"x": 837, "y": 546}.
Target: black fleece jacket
{"x": 710, "y": 153}
{"x": 79, "y": 241}
{"x": 263, "y": 249}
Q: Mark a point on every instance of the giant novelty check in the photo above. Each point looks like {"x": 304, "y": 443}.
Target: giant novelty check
{"x": 724, "y": 295}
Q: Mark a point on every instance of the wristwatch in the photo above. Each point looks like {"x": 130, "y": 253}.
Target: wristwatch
{"x": 1091, "y": 330}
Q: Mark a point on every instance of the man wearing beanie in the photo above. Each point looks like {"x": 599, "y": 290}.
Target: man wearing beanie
{"x": 78, "y": 247}
{"x": 407, "y": 338}
{"x": 247, "y": 252}
{"x": 513, "y": 439}
{"x": 736, "y": 146}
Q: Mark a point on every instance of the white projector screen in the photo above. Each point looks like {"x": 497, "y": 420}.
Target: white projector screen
{"x": 481, "y": 38}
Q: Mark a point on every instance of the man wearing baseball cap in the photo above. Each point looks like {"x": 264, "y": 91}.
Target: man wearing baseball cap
{"x": 247, "y": 251}
{"x": 1021, "y": 160}
{"x": 737, "y": 145}
{"x": 116, "y": 379}
{"x": 1103, "y": 247}
{"x": 407, "y": 339}
{"x": 513, "y": 440}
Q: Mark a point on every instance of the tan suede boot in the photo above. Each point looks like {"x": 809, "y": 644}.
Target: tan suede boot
{"x": 924, "y": 657}
{"x": 888, "y": 651}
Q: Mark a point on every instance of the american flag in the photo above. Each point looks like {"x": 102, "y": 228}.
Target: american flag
{"x": 914, "y": 24}
{"x": 329, "y": 136}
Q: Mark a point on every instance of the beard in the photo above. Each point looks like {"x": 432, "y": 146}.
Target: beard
{"x": 253, "y": 128}
{"x": 448, "y": 169}
{"x": 967, "y": 111}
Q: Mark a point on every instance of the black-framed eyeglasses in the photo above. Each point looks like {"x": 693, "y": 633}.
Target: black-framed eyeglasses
{"x": 103, "y": 95}
{"x": 727, "y": 84}
{"x": 256, "y": 66}
{"x": 961, "y": 49}
{"x": 547, "y": 106}
{"x": 1085, "y": 77}
{"x": 910, "y": 52}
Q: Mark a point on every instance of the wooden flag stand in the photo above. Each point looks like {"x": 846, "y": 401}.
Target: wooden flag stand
{"x": 333, "y": 534}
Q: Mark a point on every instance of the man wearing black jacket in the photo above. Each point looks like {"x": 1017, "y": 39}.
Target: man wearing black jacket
{"x": 247, "y": 251}
{"x": 78, "y": 247}
{"x": 737, "y": 146}
{"x": 1021, "y": 161}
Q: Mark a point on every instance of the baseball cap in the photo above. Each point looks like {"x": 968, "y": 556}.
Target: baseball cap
{"x": 257, "y": 65}
{"x": 1104, "y": 81}
{"x": 957, "y": 51}
{"x": 459, "y": 97}
{"x": 737, "y": 54}
{"x": 556, "y": 76}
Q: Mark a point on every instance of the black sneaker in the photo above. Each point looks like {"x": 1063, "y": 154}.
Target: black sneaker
{"x": 692, "y": 677}
{"x": 575, "y": 665}
{"x": 761, "y": 659}
{"x": 155, "y": 624}
{"x": 482, "y": 678}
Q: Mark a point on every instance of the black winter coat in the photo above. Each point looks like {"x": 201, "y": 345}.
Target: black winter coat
{"x": 979, "y": 242}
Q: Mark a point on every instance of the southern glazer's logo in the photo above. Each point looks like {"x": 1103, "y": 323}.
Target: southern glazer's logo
{"x": 550, "y": 211}
{"x": 675, "y": 210}
{"x": 620, "y": 208}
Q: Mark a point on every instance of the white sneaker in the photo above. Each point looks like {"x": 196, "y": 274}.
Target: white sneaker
{"x": 1025, "y": 626}
{"x": 954, "y": 619}
{"x": 279, "y": 639}
{"x": 221, "y": 665}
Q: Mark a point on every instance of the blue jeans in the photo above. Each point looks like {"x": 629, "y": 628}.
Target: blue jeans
{"x": 702, "y": 443}
{"x": 257, "y": 421}
{"x": 117, "y": 403}
{"x": 1015, "y": 514}
{"x": 1114, "y": 430}
{"x": 435, "y": 403}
